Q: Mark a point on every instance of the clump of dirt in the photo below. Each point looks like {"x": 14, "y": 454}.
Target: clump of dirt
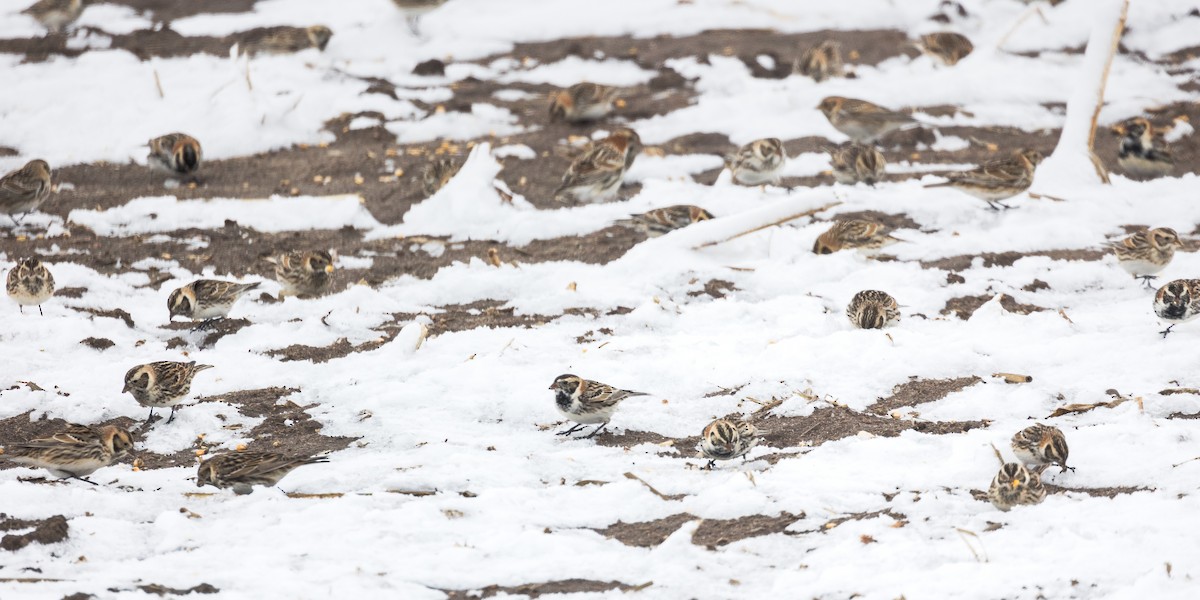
{"x": 481, "y": 313}
{"x": 116, "y": 313}
{"x": 920, "y": 391}
{"x": 1036, "y": 285}
{"x": 714, "y": 288}
{"x": 70, "y": 292}
{"x": 319, "y": 354}
{"x": 712, "y": 533}
{"x": 162, "y": 590}
{"x": 536, "y": 590}
{"x": 51, "y": 530}
{"x": 98, "y": 343}
{"x": 646, "y": 534}
{"x": 965, "y": 306}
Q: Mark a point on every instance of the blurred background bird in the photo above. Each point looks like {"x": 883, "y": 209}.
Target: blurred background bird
{"x": 1142, "y": 152}
{"x": 582, "y": 102}
{"x": 25, "y": 189}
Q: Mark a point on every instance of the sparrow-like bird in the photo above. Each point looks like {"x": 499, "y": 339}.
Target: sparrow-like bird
{"x": 873, "y": 309}
{"x": 1015, "y": 485}
{"x": 437, "y": 173}
{"x": 821, "y": 62}
{"x": 1142, "y": 152}
{"x": 582, "y": 102}
{"x": 303, "y": 274}
{"x": 667, "y": 219}
{"x": 587, "y": 402}
{"x": 286, "y": 40}
{"x": 946, "y": 47}
{"x": 596, "y": 175}
{"x": 25, "y": 189}
{"x": 206, "y": 299}
{"x": 30, "y": 283}
{"x": 55, "y": 15}
{"x": 241, "y": 471}
{"x": 852, "y": 163}
{"x": 177, "y": 154}
{"x": 1177, "y": 302}
{"x": 868, "y": 237}
{"x": 725, "y": 439}
{"x": 75, "y": 453}
{"x": 1040, "y": 446}
{"x": 996, "y": 180}
{"x": 757, "y": 163}
{"x": 160, "y": 384}
{"x": 1146, "y": 253}
{"x": 415, "y": 9}
{"x": 863, "y": 121}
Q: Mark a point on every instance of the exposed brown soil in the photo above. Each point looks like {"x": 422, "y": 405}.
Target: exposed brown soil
{"x": 1007, "y": 259}
{"x": 965, "y": 306}
{"x": 51, "y": 530}
{"x": 920, "y": 391}
{"x": 711, "y": 533}
{"x": 536, "y": 590}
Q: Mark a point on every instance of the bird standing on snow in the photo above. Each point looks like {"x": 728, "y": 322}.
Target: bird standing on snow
{"x": 596, "y": 176}
{"x": 873, "y": 309}
{"x": 25, "y": 189}
{"x": 74, "y": 453}
{"x": 241, "y": 471}
{"x": 161, "y": 384}
{"x": 587, "y": 402}
{"x": 30, "y": 284}
{"x": 758, "y": 163}
{"x": 1177, "y": 302}
{"x": 725, "y": 439}
{"x": 996, "y": 180}
{"x": 1146, "y": 253}
{"x": 206, "y": 299}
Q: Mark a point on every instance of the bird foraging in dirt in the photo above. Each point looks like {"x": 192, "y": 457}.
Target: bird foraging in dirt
{"x": 75, "y": 453}
{"x": 1142, "y": 151}
{"x": 996, "y": 180}
{"x": 853, "y": 163}
{"x": 177, "y": 154}
{"x": 304, "y": 274}
{"x": 873, "y": 309}
{"x": 241, "y": 471}
{"x": 1040, "y": 446}
{"x": 587, "y": 402}
{"x": 725, "y": 439}
{"x": 582, "y": 102}
{"x": 821, "y": 62}
{"x": 206, "y": 300}
{"x": 30, "y": 284}
{"x": 437, "y": 173}
{"x": 161, "y": 384}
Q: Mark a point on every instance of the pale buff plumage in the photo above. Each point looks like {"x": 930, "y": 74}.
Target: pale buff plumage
{"x": 759, "y": 162}
{"x": 853, "y": 163}
{"x": 25, "y": 189}
{"x": 161, "y": 384}
{"x": 864, "y": 122}
{"x": 30, "y": 283}
{"x": 76, "y": 452}
{"x": 868, "y": 237}
{"x": 996, "y": 180}
{"x": 1146, "y": 253}
{"x": 582, "y": 102}
{"x": 587, "y": 402}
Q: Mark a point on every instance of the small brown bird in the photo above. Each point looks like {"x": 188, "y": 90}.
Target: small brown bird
{"x": 1146, "y": 253}
{"x": 55, "y": 15}
{"x": 868, "y": 237}
{"x": 30, "y": 283}
{"x": 587, "y": 402}
{"x": 852, "y": 163}
{"x": 206, "y": 300}
{"x": 25, "y": 189}
{"x": 415, "y": 9}
{"x": 1177, "y": 302}
{"x": 1040, "y": 446}
{"x": 1142, "y": 152}
{"x": 725, "y": 439}
{"x": 177, "y": 154}
{"x": 863, "y": 121}
{"x": 667, "y": 219}
{"x": 758, "y": 163}
{"x": 241, "y": 471}
{"x": 286, "y": 40}
{"x": 160, "y": 384}
{"x": 1015, "y": 485}
{"x": 437, "y": 173}
{"x": 946, "y": 47}
{"x": 303, "y": 274}
{"x": 596, "y": 176}
{"x": 996, "y": 180}
{"x": 873, "y": 309}
{"x": 582, "y": 102}
{"x": 75, "y": 453}
{"x": 821, "y": 62}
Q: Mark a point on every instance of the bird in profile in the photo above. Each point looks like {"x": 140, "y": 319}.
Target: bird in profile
{"x": 666, "y": 219}
{"x": 1040, "y": 446}
{"x": 863, "y": 121}
{"x": 206, "y": 300}
{"x": 996, "y": 180}
{"x": 287, "y": 40}
{"x": 946, "y": 47}
{"x": 596, "y": 176}
{"x": 74, "y": 453}
{"x": 241, "y": 471}
{"x": 868, "y": 237}
{"x": 1146, "y": 253}
{"x": 306, "y": 274}
{"x": 582, "y": 102}
{"x": 161, "y": 384}
{"x": 25, "y": 189}
{"x": 587, "y": 402}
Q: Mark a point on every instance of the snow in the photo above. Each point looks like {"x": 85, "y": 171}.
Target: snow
{"x": 462, "y": 412}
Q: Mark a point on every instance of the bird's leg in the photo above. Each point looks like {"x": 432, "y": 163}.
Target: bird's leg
{"x": 593, "y": 434}
{"x": 21, "y": 307}
{"x": 573, "y": 429}
{"x": 150, "y": 419}
{"x": 711, "y": 463}
{"x": 1065, "y": 468}
{"x": 40, "y": 310}
{"x": 1146, "y": 280}
{"x": 206, "y": 324}
{"x": 1167, "y": 330}
{"x": 172, "y": 416}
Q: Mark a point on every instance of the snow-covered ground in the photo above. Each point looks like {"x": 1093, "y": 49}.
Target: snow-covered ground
{"x": 468, "y": 415}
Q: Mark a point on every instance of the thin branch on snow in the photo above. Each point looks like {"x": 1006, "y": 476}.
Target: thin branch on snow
{"x": 807, "y": 213}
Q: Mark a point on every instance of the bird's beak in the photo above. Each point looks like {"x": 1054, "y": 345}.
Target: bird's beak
{"x": 1016, "y": 484}
{"x": 328, "y": 268}
{"x": 551, "y": 387}
{"x": 125, "y": 389}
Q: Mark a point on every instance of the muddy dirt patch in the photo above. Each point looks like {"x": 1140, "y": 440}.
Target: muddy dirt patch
{"x": 51, "y": 530}
{"x": 920, "y": 391}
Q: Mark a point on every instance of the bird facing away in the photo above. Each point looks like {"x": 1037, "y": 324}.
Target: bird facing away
{"x": 863, "y": 121}
{"x": 758, "y": 163}
{"x": 414, "y": 10}
{"x": 177, "y": 154}
{"x": 873, "y": 309}
{"x": 1146, "y": 253}
{"x": 304, "y": 274}
{"x": 596, "y": 176}
{"x": 30, "y": 283}
{"x": 725, "y": 439}
{"x": 437, "y": 173}
{"x": 241, "y": 471}
{"x": 1015, "y": 485}
{"x": 206, "y": 299}
{"x": 160, "y": 384}
{"x": 1142, "y": 152}
{"x": 852, "y": 163}
{"x": 946, "y": 47}
{"x": 287, "y": 40}
{"x": 25, "y": 189}
{"x": 868, "y": 237}
{"x": 76, "y": 452}
{"x": 1177, "y": 302}
{"x": 667, "y": 219}
{"x": 1040, "y": 446}
{"x": 582, "y": 102}
{"x": 55, "y": 15}
{"x": 587, "y": 402}
{"x": 996, "y": 180}
{"x": 821, "y": 62}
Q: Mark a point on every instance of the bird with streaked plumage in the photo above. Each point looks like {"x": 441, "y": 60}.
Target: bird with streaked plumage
{"x": 30, "y": 283}
{"x": 23, "y": 191}
{"x": 596, "y": 176}
{"x": 945, "y": 47}
{"x": 582, "y": 103}
{"x": 304, "y": 274}
{"x": 587, "y": 402}
{"x": 758, "y": 163}
{"x": 1142, "y": 151}
{"x": 74, "y": 453}
{"x": 241, "y": 471}
{"x": 666, "y": 219}
{"x": 864, "y": 122}
{"x": 873, "y": 309}
{"x": 854, "y": 163}
{"x": 726, "y": 439}
{"x": 206, "y": 300}
{"x": 161, "y": 384}
{"x": 1040, "y": 446}
{"x": 177, "y": 154}
{"x": 868, "y": 237}
{"x": 1177, "y": 302}
{"x": 821, "y": 62}
{"x": 995, "y": 180}
{"x": 1146, "y": 253}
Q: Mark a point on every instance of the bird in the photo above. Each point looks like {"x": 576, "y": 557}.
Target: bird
{"x": 74, "y": 453}
{"x": 30, "y": 283}
{"x": 1146, "y": 253}
{"x": 996, "y": 180}
{"x": 587, "y": 402}
{"x": 1141, "y": 151}
{"x": 177, "y": 154}
{"x": 437, "y": 173}
{"x": 303, "y": 274}
{"x": 862, "y": 121}
{"x": 241, "y": 471}
{"x": 758, "y": 163}
{"x": 946, "y": 47}
{"x": 821, "y": 62}
{"x": 725, "y": 439}
{"x": 852, "y": 163}
{"x": 55, "y": 15}
{"x": 596, "y": 176}
{"x": 1041, "y": 446}
{"x": 667, "y": 219}
{"x": 206, "y": 300}
{"x": 582, "y": 102}
{"x": 415, "y": 9}
{"x": 25, "y": 189}
{"x": 1177, "y": 302}
{"x": 873, "y": 309}
{"x": 1015, "y": 485}
{"x": 160, "y": 384}
{"x": 868, "y": 237}
{"x": 286, "y": 40}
